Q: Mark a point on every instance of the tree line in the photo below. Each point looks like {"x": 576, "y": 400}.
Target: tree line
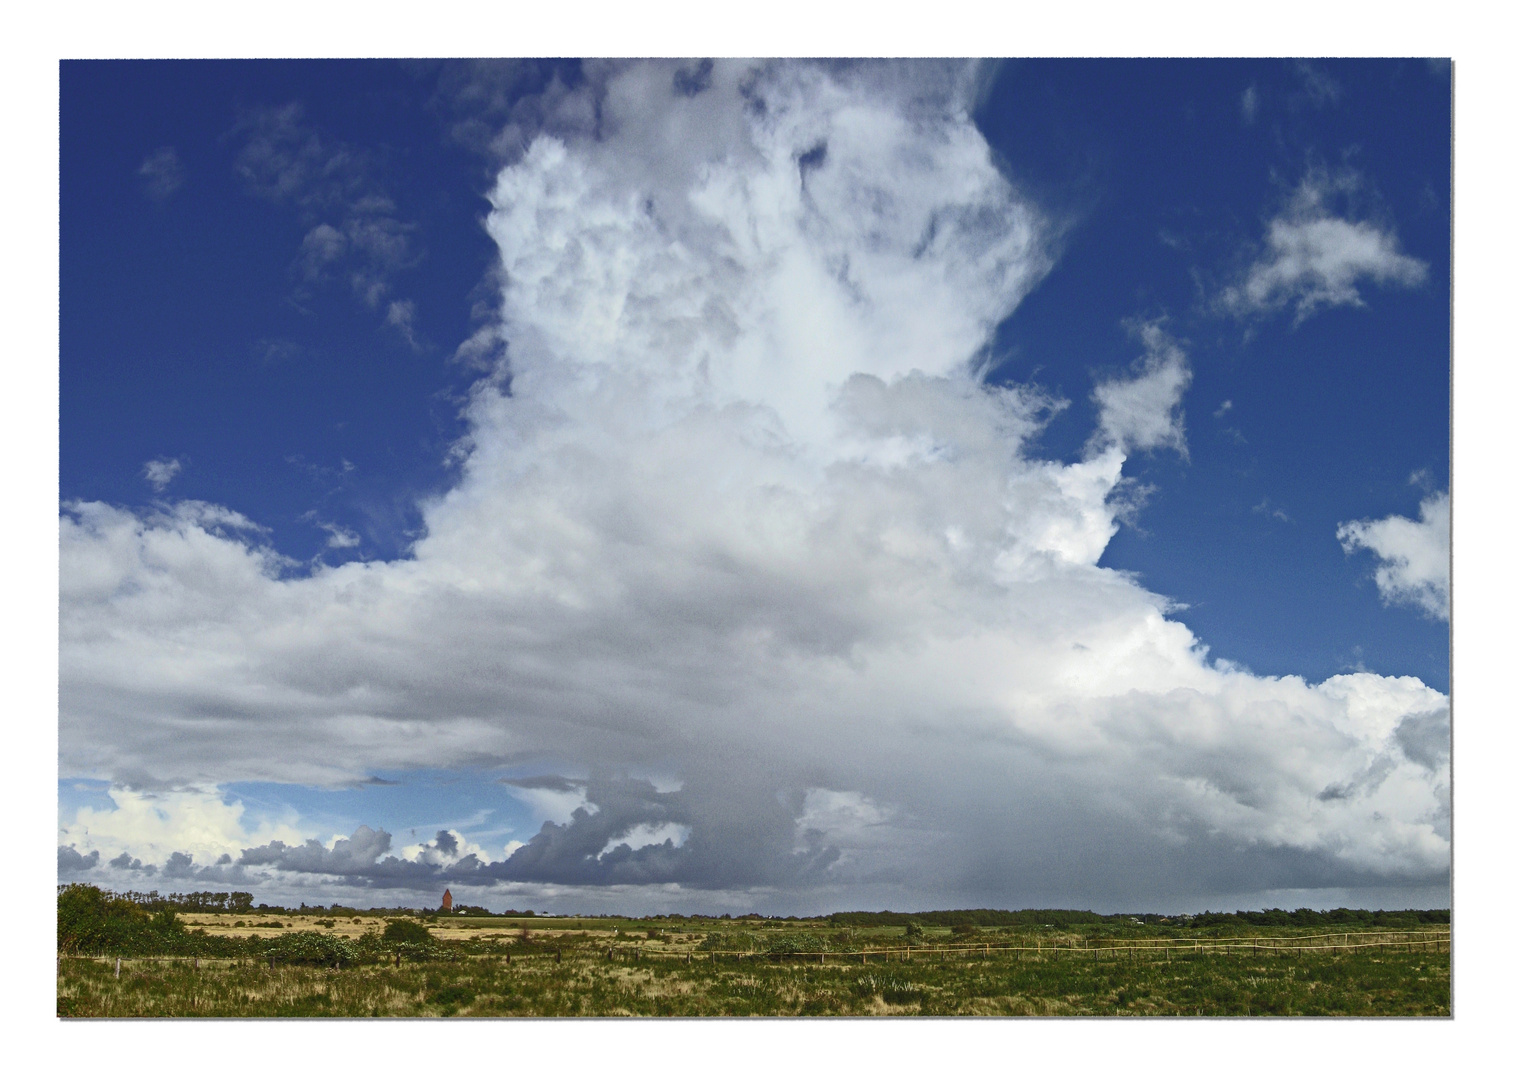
{"x": 189, "y": 903}
{"x": 1062, "y": 918}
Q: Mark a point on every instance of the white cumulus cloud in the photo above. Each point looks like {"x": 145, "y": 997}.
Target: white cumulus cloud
{"x": 736, "y": 510}
{"x": 1141, "y": 412}
{"x": 1414, "y": 557}
{"x": 1316, "y": 257}
{"x": 161, "y": 471}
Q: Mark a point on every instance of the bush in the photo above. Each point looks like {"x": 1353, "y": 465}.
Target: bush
{"x": 785, "y": 944}
{"x": 731, "y": 942}
{"x": 310, "y": 947}
{"x": 91, "y": 921}
{"x": 406, "y": 932}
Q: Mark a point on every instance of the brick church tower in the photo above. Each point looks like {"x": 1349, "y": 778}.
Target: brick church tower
{"x": 447, "y": 900}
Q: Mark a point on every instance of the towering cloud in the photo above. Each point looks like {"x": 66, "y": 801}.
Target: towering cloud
{"x": 737, "y": 508}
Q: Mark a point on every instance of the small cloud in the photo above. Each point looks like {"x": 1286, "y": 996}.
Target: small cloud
{"x": 353, "y": 230}
{"x": 1141, "y": 412}
{"x": 1414, "y": 566}
{"x": 124, "y": 861}
{"x": 162, "y": 174}
{"x": 1315, "y": 257}
{"x": 1251, "y": 101}
{"x": 274, "y": 351}
{"x": 160, "y": 473}
{"x": 322, "y": 246}
{"x": 73, "y": 861}
{"x": 1266, "y": 508}
{"x": 1320, "y": 87}
{"x": 1422, "y": 479}
{"x": 180, "y": 864}
{"x": 1225, "y": 406}
{"x": 340, "y": 537}
{"x": 401, "y": 316}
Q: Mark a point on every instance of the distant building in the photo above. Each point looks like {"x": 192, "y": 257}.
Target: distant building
{"x": 447, "y": 900}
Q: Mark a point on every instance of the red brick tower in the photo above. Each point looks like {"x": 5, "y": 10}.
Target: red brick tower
{"x": 447, "y": 900}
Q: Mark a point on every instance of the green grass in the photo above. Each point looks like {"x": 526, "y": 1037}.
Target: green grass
{"x": 1363, "y": 983}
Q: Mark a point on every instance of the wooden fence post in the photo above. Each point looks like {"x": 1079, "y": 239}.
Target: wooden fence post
{"x": 118, "y": 967}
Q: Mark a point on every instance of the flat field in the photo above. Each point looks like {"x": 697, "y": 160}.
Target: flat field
{"x": 591, "y": 967}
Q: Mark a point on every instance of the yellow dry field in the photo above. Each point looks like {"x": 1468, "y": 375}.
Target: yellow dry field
{"x": 243, "y": 925}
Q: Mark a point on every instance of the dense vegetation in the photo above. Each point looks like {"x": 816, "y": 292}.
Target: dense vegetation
{"x": 588, "y": 984}
{"x": 92, "y": 921}
{"x": 398, "y": 963}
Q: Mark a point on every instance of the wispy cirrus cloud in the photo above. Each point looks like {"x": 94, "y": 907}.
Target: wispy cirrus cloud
{"x": 355, "y": 231}
{"x": 1251, "y": 103}
{"x": 162, "y": 174}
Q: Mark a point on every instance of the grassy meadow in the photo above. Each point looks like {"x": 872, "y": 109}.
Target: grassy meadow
{"x": 429, "y": 966}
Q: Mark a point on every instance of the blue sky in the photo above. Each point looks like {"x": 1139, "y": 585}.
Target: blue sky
{"x": 287, "y": 348}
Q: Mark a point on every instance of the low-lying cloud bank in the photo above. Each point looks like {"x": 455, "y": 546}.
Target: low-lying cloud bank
{"x": 737, "y": 508}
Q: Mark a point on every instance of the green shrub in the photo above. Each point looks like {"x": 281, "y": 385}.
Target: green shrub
{"x": 406, "y": 932}
{"x": 731, "y": 942}
{"x": 310, "y": 947}
{"x": 785, "y": 944}
{"x": 90, "y": 921}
